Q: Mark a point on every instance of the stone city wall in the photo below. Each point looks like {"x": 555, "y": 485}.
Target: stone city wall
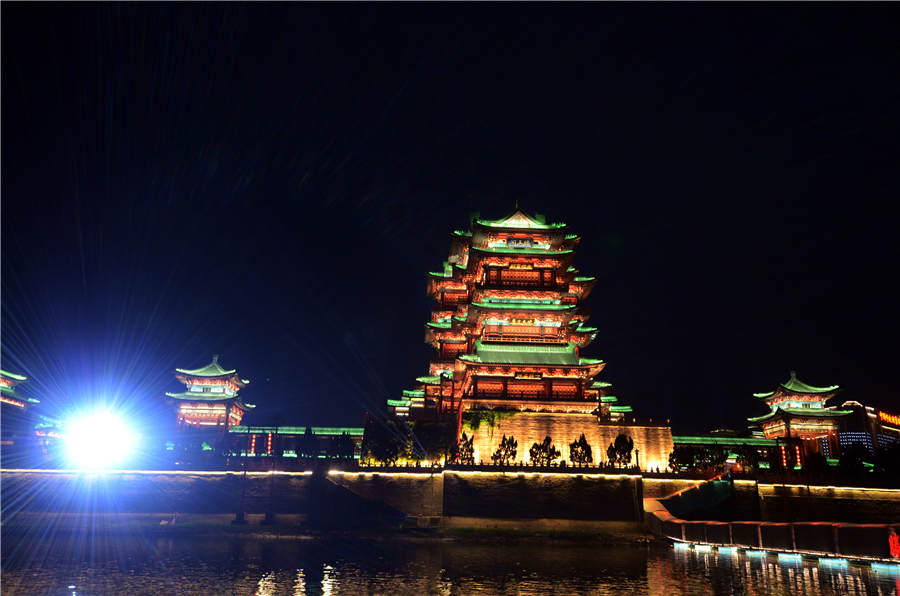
{"x": 652, "y": 444}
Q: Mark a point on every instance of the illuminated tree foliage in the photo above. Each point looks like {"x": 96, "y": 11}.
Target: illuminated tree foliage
{"x": 506, "y": 453}
{"x": 580, "y": 451}
{"x": 465, "y": 452}
{"x": 544, "y": 453}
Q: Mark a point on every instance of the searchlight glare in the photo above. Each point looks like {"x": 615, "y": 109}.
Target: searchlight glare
{"x": 98, "y": 440}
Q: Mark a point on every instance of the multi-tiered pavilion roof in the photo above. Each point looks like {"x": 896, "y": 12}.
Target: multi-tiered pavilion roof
{"x": 508, "y": 325}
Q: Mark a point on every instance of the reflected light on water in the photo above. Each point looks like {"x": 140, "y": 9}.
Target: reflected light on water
{"x": 322, "y": 567}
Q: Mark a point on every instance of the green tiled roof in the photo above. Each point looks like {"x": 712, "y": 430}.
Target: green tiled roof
{"x": 752, "y": 441}
{"x": 213, "y": 369}
{"x": 462, "y": 233}
{"x": 413, "y": 393}
{"x": 198, "y": 396}
{"x": 582, "y": 278}
{"x": 523, "y": 306}
{"x": 297, "y": 430}
{"x": 522, "y": 251}
{"x": 600, "y": 384}
{"x": 399, "y": 403}
{"x": 795, "y": 385}
{"x": 803, "y": 412}
{"x": 620, "y": 409}
{"x": 609, "y": 399}
{"x": 438, "y": 325}
{"x": 521, "y": 220}
{"x": 429, "y": 380}
{"x": 523, "y": 354}
{"x": 585, "y": 329}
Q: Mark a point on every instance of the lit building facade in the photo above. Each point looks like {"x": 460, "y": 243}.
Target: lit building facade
{"x": 211, "y": 399}
{"x": 508, "y": 328}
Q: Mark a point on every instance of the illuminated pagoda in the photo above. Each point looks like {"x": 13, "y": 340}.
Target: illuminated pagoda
{"x": 508, "y": 328}
{"x": 798, "y": 411}
{"x": 211, "y": 398}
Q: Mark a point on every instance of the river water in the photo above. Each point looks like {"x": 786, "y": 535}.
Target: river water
{"x": 229, "y": 565}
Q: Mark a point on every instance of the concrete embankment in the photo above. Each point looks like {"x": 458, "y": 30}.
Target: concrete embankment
{"x": 526, "y": 500}
{"x": 828, "y": 535}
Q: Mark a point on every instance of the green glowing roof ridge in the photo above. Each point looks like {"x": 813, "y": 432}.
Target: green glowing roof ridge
{"x": 213, "y": 369}
{"x": 585, "y": 278}
{"x": 13, "y": 376}
{"x": 436, "y": 380}
{"x": 521, "y": 220}
{"x": 522, "y": 251}
{"x": 523, "y": 306}
{"x": 795, "y": 385}
{"x": 804, "y": 412}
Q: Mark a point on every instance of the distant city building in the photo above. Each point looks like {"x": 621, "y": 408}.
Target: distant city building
{"x": 211, "y": 398}
{"x": 508, "y": 329}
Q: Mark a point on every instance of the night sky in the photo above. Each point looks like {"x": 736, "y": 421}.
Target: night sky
{"x": 271, "y": 182}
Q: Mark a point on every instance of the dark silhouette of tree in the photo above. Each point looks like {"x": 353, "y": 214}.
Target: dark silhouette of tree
{"x": 852, "y": 458}
{"x": 309, "y": 444}
{"x": 816, "y": 464}
{"x": 619, "y": 451}
{"x": 507, "y": 451}
{"x": 466, "y": 450}
{"x": 697, "y": 457}
{"x": 433, "y": 441}
{"x": 580, "y": 451}
{"x": 341, "y": 447}
{"x": 887, "y": 462}
{"x": 544, "y": 453}
{"x": 382, "y": 442}
{"x": 747, "y": 456}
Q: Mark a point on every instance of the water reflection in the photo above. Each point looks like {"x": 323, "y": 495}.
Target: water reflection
{"x": 323, "y": 567}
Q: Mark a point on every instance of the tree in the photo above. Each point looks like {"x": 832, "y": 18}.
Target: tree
{"x": 816, "y": 464}
{"x": 506, "y": 453}
{"x": 309, "y": 444}
{"x": 580, "y": 451}
{"x": 382, "y": 442}
{"x": 543, "y": 453}
{"x": 611, "y": 456}
{"x": 747, "y": 456}
{"x": 619, "y": 451}
{"x": 433, "y": 441}
{"x": 681, "y": 458}
{"x": 466, "y": 451}
{"x": 341, "y": 447}
{"x": 852, "y": 458}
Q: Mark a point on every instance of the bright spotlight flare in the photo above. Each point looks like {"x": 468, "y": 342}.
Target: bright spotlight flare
{"x": 98, "y": 440}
